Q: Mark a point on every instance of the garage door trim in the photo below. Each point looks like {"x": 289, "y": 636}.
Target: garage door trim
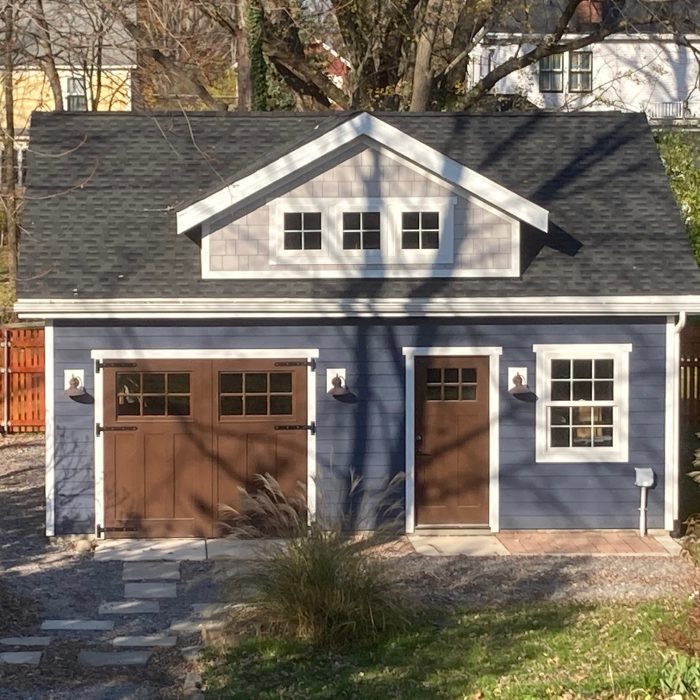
{"x": 194, "y": 354}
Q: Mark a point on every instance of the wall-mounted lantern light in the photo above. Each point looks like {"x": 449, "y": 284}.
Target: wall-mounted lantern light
{"x": 518, "y": 379}
{"x": 338, "y": 387}
{"x": 74, "y": 382}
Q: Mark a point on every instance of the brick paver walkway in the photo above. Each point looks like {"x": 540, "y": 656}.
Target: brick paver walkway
{"x": 523, "y": 542}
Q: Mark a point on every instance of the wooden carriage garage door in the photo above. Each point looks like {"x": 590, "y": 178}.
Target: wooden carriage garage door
{"x": 452, "y": 440}
{"x": 183, "y": 436}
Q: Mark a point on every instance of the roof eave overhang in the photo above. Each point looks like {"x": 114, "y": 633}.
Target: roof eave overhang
{"x": 239, "y": 308}
{"x": 363, "y": 125}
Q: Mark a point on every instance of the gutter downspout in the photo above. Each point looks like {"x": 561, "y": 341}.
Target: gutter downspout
{"x": 677, "y": 329}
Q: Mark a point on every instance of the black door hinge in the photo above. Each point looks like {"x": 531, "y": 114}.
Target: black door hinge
{"x": 99, "y": 429}
{"x": 101, "y": 365}
{"x": 99, "y": 530}
{"x": 311, "y": 427}
{"x": 298, "y": 363}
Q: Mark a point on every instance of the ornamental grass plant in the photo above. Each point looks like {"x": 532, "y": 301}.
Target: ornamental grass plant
{"x": 315, "y": 581}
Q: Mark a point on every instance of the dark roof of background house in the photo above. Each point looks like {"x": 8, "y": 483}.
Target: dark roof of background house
{"x": 103, "y": 189}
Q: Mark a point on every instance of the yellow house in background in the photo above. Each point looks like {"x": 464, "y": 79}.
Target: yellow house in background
{"x": 108, "y": 89}
{"x": 95, "y": 58}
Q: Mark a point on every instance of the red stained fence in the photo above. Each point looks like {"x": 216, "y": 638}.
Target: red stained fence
{"x": 22, "y": 407}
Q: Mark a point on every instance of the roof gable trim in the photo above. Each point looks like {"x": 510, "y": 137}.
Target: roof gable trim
{"x": 364, "y": 125}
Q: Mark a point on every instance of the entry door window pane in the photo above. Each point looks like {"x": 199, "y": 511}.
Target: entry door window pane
{"x": 451, "y": 384}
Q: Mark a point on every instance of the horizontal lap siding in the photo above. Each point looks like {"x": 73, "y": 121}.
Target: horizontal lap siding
{"x": 367, "y": 437}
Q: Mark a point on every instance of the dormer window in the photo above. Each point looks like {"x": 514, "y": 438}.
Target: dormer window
{"x": 420, "y": 230}
{"x": 361, "y": 230}
{"x": 302, "y": 230}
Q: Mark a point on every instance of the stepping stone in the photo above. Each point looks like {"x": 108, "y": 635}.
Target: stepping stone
{"x": 78, "y": 625}
{"x": 151, "y": 550}
{"x": 150, "y": 590}
{"x": 113, "y": 658}
{"x": 191, "y": 653}
{"x": 186, "y": 627}
{"x": 151, "y": 571}
{"x": 25, "y": 641}
{"x": 32, "y": 658}
{"x": 208, "y": 610}
{"x": 152, "y": 640}
{"x": 129, "y": 607}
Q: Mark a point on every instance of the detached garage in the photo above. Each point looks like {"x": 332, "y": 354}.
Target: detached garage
{"x": 497, "y": 297}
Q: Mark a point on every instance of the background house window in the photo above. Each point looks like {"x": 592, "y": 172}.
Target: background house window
{"x": 302, "y": 231}
{"x": 581, "y": 71}
{"x": 420, "y": 230}
{"x": 552, "y": 73}
{"x": 361, "y": 230}
{"x": 583, "y": 407}
{"x": 76, "y": 95}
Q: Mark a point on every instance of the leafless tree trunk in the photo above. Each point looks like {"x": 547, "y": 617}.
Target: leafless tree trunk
{"x": 47, "y": 59}
{"x": 9, "y": 158}
{"x": 425, "y": 49}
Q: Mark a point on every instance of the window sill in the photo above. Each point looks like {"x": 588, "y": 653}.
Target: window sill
{"x": 578, "y": 455}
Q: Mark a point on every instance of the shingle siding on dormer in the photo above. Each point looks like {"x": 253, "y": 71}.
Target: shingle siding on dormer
{"x": 483, "y": 239}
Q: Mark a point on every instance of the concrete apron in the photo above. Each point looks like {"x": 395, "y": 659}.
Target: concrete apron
{"x": 180, "y": 549}
{"x": 433, "y": 544}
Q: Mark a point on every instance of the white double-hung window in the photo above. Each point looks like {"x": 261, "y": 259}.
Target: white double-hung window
{"x": 582, "y": 403}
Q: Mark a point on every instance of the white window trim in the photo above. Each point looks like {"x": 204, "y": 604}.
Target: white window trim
{"x": 389, "y": 261}
{"x": 619, "y": 352}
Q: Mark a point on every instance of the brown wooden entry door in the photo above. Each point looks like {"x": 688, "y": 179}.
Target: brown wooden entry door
{"x": 157, "y": 449}
{"x": 260, "y": 425}
{"x": 452, "y": 440}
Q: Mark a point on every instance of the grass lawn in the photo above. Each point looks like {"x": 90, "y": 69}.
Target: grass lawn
{"x": 526, "y": 653}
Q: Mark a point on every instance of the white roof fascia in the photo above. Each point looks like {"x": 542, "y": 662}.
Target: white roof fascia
{"x": 519, "y": 37}
{"x": 347, "y": 308}
{"x": 365, "y": 124}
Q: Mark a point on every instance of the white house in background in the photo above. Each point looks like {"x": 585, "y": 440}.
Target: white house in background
{"x": 641, "y": 71}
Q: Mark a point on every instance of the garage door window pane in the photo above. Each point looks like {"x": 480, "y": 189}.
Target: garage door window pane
{"x": 153, "y": 383}
{"x": 153, "y": 394}
{"x": 178, "y": 405}
{"x": 255, "y": 383}
{"x": 231, "y": 383}
{"x": 154, "y": 405}
{"x": 281, "y": 405}
{"x": 281, "y": 383}
{"x": 256, "y": 405}
{"x": 179, "y": 383}
{"x": 231, "y": 406}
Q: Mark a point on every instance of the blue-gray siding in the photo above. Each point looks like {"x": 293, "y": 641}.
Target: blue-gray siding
{"x": 367, "y": 437}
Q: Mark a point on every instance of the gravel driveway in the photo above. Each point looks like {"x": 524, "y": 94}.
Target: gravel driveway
{"x": 67, "y": 584}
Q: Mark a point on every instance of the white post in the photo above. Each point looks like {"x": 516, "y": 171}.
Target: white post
{"x": 643, "y": 512}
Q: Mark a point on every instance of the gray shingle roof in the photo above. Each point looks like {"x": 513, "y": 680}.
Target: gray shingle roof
{"x": 103, "y": 189}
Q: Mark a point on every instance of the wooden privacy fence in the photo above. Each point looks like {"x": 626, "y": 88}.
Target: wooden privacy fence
{"x": 22, "y": 378}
